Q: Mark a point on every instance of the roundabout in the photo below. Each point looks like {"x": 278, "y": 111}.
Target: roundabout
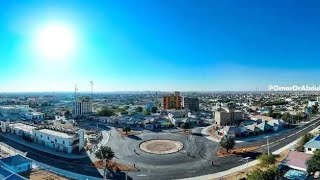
{"x": 177, "y": 154}
{"x": 161, "y": 146}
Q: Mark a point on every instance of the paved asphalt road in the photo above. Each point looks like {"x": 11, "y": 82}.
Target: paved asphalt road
{"x": 193, "y": 160}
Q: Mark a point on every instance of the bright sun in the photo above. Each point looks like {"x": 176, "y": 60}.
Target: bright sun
{"x": 55, "y": 42}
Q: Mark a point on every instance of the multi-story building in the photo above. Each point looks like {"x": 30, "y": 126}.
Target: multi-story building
{"x": 82, "y": 106}
{"x": 57, "y": 140}
{"x": 15, "y": 109}
{"x": 191, "y": 104}
{"x": 173, "y": 101}
{"x": 230, "y": 117}
{"x": 22, "y": 111}
{"x": 68, "y": 142}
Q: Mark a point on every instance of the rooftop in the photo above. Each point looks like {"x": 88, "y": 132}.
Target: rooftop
{"x": 313, "y": 143}
{"x": 23, "y": 127}
{"x": 8, "y": 175}
{"x": 266, "y": 118}
{"x": 294, "y": 174}
{"x": 15, "y": 160}
{"x": 56, "y": 133}
{"x": 297, "y": 160}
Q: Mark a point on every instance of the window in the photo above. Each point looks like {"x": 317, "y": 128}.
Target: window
{"x": 55, "y": 140}
{"x": 48, "y": 138}
{"x": 62, "y": 142}
{"x": 41, "y": 136}
{"x": 309, "y": 149}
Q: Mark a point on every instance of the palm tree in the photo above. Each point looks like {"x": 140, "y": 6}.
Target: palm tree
{"x": 105, "y": 153}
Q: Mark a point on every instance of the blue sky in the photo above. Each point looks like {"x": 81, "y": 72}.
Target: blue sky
{"x": 167, "y": 45}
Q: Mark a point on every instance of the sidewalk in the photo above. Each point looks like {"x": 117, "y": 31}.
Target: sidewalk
{"x": 42, "y": 148}
{"x": 104, "y": 141}
{"x": 207, "y": 135}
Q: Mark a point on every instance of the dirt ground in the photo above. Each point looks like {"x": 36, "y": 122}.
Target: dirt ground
{"x": 131, "y": 133}
{"x": 44, "y": 175}
{"x": 237, "y": 151}
{"x": 114, "y": 166}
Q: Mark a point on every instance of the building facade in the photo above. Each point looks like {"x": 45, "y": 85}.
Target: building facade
{"x": 191, "y": 104}
{"x": 59, "y": 140}
{"x": 173, "y": 101}
{"x": 37, "y": 116}
{"x": 82, "y": 106}
{"x": 231, "y": 117}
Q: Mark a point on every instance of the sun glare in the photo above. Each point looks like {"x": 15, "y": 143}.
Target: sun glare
{"x": 54, "y": 42}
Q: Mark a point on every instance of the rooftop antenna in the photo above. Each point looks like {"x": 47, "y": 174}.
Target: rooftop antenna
{"x": 91, "y": 83}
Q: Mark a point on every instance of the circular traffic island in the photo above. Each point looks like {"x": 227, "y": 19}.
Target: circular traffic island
{"x": 161, "y": 146}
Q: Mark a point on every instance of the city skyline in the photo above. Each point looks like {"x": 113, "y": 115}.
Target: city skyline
{"x": 160, "y": 45}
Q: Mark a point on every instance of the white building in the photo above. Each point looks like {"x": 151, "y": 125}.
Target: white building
{"x": 82, "y": 106}
{"x": 34, "y": 116}
{"x": 20, "y": 129}
{"x": 15, "y": 110}
{"x": 57, "y": 140}
{"x": 311, "y": 146}
{"x": 60, "y": 141}
{"x": 23, "y": 111}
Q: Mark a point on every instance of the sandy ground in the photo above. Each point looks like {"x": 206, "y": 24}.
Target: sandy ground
{"x": 114, "y": 166}
{"x": 161, "y": 146}
{"x": 44, "y": 175}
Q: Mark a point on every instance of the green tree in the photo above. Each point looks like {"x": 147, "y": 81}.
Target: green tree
{"x": 267, "y": 159}
{"x": 315, "y": 108}
{"x": 126, "y": 129}
{"x": 314, "y": 162}
{"x": 186, "y": 125}
{"x": 105, "y": 111}
{"x": 121, "y": 110}
{"x": 227, "y": 142}
{"x": 269, "y": 174}
{"x": 139, "y": 109}
{"x": 154, "y": 109}
{"x": 307, "y": 137}
{"x": 147, "y": 112}
{"x": 270, "y": 113}
{"x": 105, "y": 153}
{"x": 67, "y": 114}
